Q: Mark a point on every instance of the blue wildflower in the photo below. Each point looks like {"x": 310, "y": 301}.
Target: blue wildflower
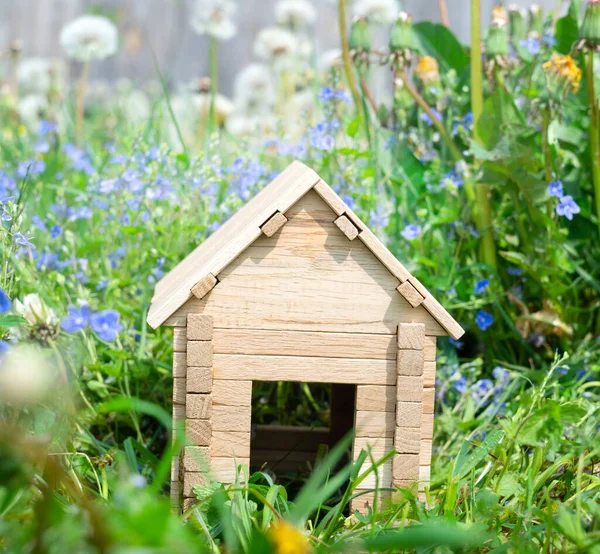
{"x": 460, "y": 384}
{"x": 514, "y": 271}
{"x": 349, "y": 201}
{"x": 106, "y": 325}
{"x": 567, "y": 207}
{"x": 464, "y": 124}
{"x": 5, "y": 302}
{"x": 102, "y": 284}
{"x": 412, "y": 231}
{"x": 30, "y": 168}
{"x": 500, "y": 374}
{"x": 41, "y": 146}
{"x": 555, "y": 188}
{"x": 532, "y": 44}
{"x": 326, "y": 143}
{"x": 481, "y": 389}
{"x": 77, "y": 320}
{"x": 47, "y": 127}
{"x": 379, "y": 219}
{"x": 55, "y": 231}
{"x": 4, "y": 348}
{"x": 458, "y": 344}
{"x": 451, "y": 180}
{"x": 484, "y": 320}
{"x": 426, "y": 119}
{"x": 481, "y": 285}
{"x": 23, "y": 240}
{"x": 38, "y": 222}
{"x": 562, "y": 370}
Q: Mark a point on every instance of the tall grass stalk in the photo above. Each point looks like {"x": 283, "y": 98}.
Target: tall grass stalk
{"x": 594, "y": 130}
{"x": 444, "y": 13}
{"x": 80, "y": 102}
{"x": 483, "y": 207}
{"x": 346, "y": 54}
{"x": 214, "y": 82}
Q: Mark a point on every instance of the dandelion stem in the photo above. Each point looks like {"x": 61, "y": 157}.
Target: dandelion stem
{"x": 594, "y": 130}
{"x": 454, "y": 150}
{"x": 369, "y": 94}
{"x": 80, "y": 102}
{"x": 444, "y": 13}
{"x": 214, "y": 84}
{"x": 346, "y": 54}
{"x": 483, "y": 208}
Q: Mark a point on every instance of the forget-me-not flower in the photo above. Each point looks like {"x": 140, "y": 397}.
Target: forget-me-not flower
{"x": 106, "y": 325}
{"x": 412, "y": 231}
{"x": 567, "y": 207}
{"x": 555, "y": 188}
{"x": 484, "y": 320}
{"x": 5, "y": 302}
{"x": 481, "y": 285}
{"x": 77, "y": 320}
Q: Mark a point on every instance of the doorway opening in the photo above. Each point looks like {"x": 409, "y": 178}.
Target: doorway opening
{"x": 295, "y": 424}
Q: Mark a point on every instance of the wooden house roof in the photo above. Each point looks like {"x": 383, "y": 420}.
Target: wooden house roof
{"x": 243, "y": 228}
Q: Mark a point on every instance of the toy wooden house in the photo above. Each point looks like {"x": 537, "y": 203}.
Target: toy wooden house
{"x": 295, "y": 287}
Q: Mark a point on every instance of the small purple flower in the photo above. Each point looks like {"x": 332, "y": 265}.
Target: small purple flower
{"x": 451, "y": 180}
{"x": 484, "y": 320}
{"x": 532, "y": 44}
{"x": 106, "y": 325}
{"x": 77, "y": 320}
{"x": 481, "y": 389}
{"x": 412, "y": 231}
{"x": 23, "y": 240}
{"x": 55, "y": 231}
{"x": 102, "y": 284}
{"x": 555, "y": 188}
{"x": 464, "y": 124}
{"x": 460, "y": 384}
{"x": 500, "y": 374}
{"x": 426, "y": 119}
{"x": 514, "y": 271}
{"x": 567, "y": 207}
{"x": 30, "y": 168}
{"x": 481, "y": 285}
{"x": 458, "y": 344}
{"x": 326, "y": 143}
{"x": 5, "y": 302}
{"x": 47, "y": 127}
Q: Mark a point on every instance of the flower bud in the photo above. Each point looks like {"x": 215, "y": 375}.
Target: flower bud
{"x": 536, "y": 19}
{"x": 590, "y": 28}
{"x": 496, "y": 43}
{"x": 499, "y": 14}
{"x": 517, "y": 23}
{"x": 359, "y": 35}
{"x": 403, "y": 37}
{"x": 564, "y": 75}
{"x": 427, "y": 70}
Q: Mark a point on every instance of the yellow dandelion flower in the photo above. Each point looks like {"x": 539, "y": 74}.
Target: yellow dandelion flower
{"x": 427, "y": 69}
{"x": 499, "y": 14}
{"x": 286, "y": 539}
{"x": 565, "y": 68}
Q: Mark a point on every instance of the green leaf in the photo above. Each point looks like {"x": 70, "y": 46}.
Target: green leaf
{"x": 464, "y": 464}
{"x": 125, "y": 404}
{"x": 438, "y": 41}
{"x": 499, "y": 152}
{"x": 500, "y": 117}
{"x": 11, "y": 320}
{"x": 567, "y": 30}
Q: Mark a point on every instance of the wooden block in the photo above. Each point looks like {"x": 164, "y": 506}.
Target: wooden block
{"x": 261, "y": 342}
{"x": 383, "y": 477}
{"x": 443, "y": 317}
{"x": 199, "y": 353}
{"x": 430, "y": 349}
{"x": 410, "y": 362}
{"x": 189, "y": 503}
{"x": 231, "y": 418}
{"x": 179, "y": 364}
{"x": 411, "y": 336}
{"x": 178, "y": 412}
{"x": 204, "y": 286}
{"x": 367, "y": 499}
{"x": 232, "y": 393}
{"x": 384, "y": 255}
{"x": 274, "y": 223}
{"x": 224, "y": 470}
{"x": 179, "y": 391}
{"x": 411, "y": 294}
{"x": 199, "y": 431}
{"x": 374, "y": 424}
{"x": 347, "y": 227}
{"x": 175, "y": 466}
{"x": 426, "y": 452}
{"x": 419, "y": 286}
{"x": 199, "y": 379}
{"x": 175, "y": 496}
{"x": 198, "y": 406}
{"x": 424, "y": 476}
{"x": 190, "y": 480}
{"x": 407, "y": 440}
{"x": 199, "y": 327}
{"x": 378, "y": 447}
{"x": 429, "y": 374}
{"x": 409, "y": 414}
{"x": 427, "y": 426}
{"x": 196, "y": 459}
{"x": 230, "y": 444}
{"x": 405, "y": 467}
{"x": 428, "y": 401}
{"x": 179, "y": 339}
{"x": 409, "y": 389}
{"x": 376, "y": 398}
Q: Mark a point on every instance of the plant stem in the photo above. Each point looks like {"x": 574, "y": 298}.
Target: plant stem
{"x": 214, "y": 84}
{"x": 483, "y": 208}
{"x": 80, "y": 102}
{"x": 444, "y": 13}
{"x": 547, "y": 155}
{"x": 454, "y": 150}
{"x": 369, "y": 95}
{"x": 346, "y": 54}
{"x": 594, "y": 130}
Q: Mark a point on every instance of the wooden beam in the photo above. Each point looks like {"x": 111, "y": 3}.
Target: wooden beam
{"x": 231, "y": 418}
{"x": 346, "y": 227}
{"x": 411, "y": 294}
{"x": 229, "y": 444}
{"x": 376, "y": 398}
{"x": 204, "y": 286}
{"x": 232, "y": 393}
{"x": 273, "y": 224}
{"x": 199, "y": 431}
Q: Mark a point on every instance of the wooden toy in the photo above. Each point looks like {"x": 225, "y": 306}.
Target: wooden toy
{"x": 295, "y": 287}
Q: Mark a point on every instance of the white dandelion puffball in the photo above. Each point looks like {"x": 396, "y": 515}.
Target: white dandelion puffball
{"x": 377, "y": 11}
{"x": 33, "y": 75}
{"x": 26, "y": 376}
{"x": 242, "y": 125}
{"x": 32, "y": 108}
{"x": 254, "y": 89}
{"x": 330, "y": 59}
{"x": 295, "y": 14}
{"x": 214, "y": 18}
{"x": 223, "y": 106}
{"x": 35, "y": 311}
{"x": 89, "y": 37}
{"x": 275, "y": 45}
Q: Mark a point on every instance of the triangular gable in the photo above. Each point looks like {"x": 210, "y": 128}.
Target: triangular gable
{"x": 244, "y": 227}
